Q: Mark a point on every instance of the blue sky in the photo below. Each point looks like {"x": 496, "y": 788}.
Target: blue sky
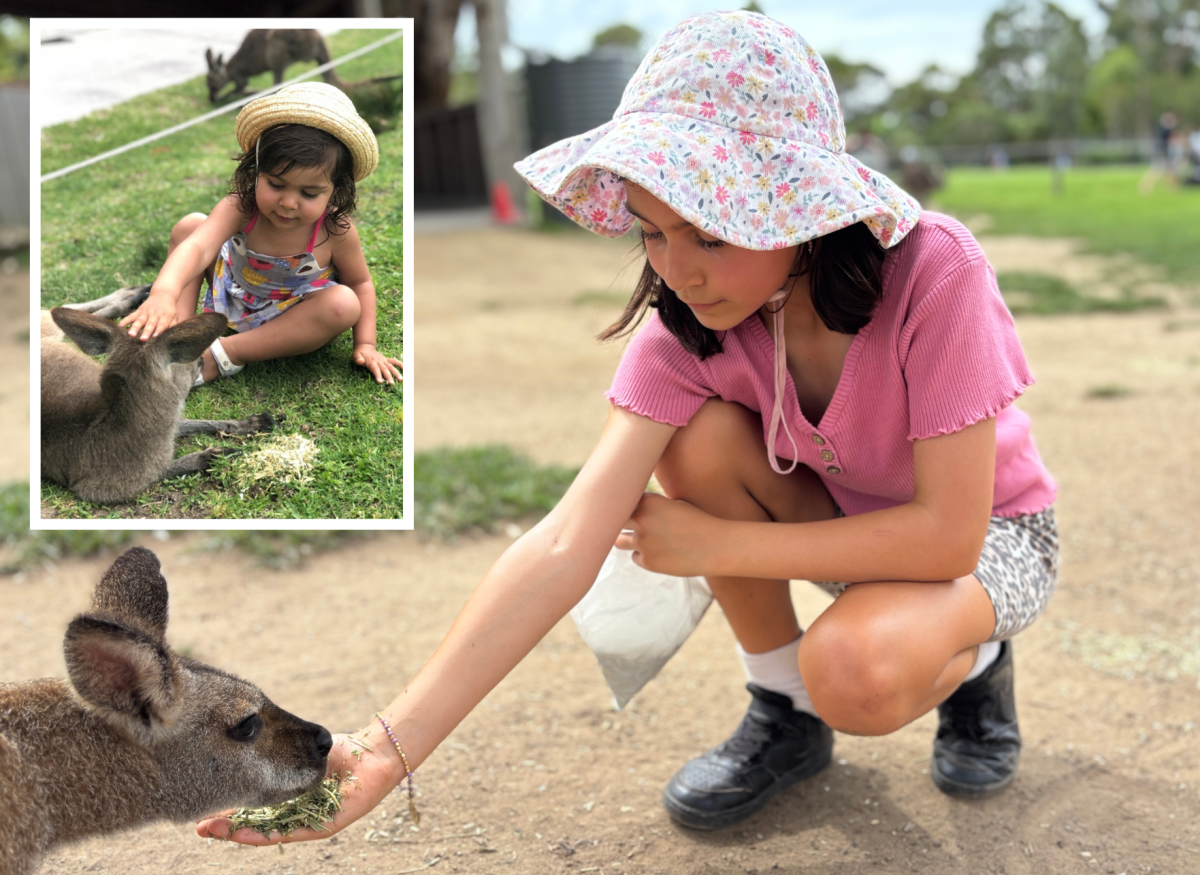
{"x": 901, "y": 38}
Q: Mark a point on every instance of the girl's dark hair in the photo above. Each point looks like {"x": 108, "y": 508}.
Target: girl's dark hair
{"x": 845, "y": 277}
{"x": 286, "y": 146}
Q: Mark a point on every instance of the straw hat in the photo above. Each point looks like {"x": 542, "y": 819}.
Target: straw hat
{"x": 317, "y": 105}
{"x": 733, "y": 122}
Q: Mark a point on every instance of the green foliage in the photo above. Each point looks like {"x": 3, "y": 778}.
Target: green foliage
{"x": 1112, "y": 88}
{"x": 1100, "y": 205}
{"x": 106, "y": 226}
{"x": 482, "y": 487}
{"x": 282, "y": 549}
{"x": 860, "y": 87}
{"x": 618, "y": 35}
{"x": 1034, "y": 59}
{"x": 14, "y": 48}
{"x": 1037, "y": 76}
{"x": 1044, "y": 295}
{"x": 23, "y": 547}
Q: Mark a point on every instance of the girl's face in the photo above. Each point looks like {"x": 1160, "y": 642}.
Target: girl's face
{"x": 294, "y": 199}
{"x": 721, "y": 283}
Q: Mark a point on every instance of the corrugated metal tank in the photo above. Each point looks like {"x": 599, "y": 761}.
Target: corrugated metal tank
{"x": 570, "y": 97}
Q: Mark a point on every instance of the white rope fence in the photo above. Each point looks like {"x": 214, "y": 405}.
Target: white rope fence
{"x": 317, "y": 71}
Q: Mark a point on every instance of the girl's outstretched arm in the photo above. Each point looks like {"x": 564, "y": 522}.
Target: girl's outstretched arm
{"x": 529, "y": 589}
{"x": 353, "y": 272}
{"x": 189, "y": 260}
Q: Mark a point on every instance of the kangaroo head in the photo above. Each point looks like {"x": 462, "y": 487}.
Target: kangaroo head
{"x": 217, "y": 76}
{"x": 216, "y": 740}
{"x": 163, "y": 368}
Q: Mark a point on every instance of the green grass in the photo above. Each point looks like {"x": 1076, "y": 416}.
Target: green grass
{"x": 23, "y": 548}
{"x": 106, "y": 226}
{"x": 1109, "y": 390}
{"x": 1044, "y": 295}
{"x": 1101, "y": 205}
{"x": 480, "y": 488}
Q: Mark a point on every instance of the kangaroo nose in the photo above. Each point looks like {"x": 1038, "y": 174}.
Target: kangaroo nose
{"x": 324, "y": 742}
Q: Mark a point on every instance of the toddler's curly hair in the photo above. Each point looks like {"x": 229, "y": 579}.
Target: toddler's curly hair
{"x": 286, "y": 146}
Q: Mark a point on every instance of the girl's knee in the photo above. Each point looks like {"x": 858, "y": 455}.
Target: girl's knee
{"x": 853, "y": 678}
{"x": 703, "y": 448}
{"x": 185, "y": 227}
{"x": 341, "y": 307}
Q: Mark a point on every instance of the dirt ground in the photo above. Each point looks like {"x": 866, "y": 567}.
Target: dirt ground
{"x": 545, "y": 778}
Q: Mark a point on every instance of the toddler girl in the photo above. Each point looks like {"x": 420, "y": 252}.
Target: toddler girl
{"x": 303, "y": 149}
{"x": 802, "y": 301}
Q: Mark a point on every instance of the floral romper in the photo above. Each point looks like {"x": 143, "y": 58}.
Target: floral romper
{"x": 250, "y": 289}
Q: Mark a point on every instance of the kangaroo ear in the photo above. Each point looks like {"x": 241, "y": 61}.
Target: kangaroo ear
{"x": 208, "y": 57}
{"x": 187, "y": 341}
{"x": 128, "y": 678}
{"x": 134, "y": 592}
{"x": 93, "y": 335}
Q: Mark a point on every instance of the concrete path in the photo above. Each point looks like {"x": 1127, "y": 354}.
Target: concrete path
{"x": 81, "y": 71}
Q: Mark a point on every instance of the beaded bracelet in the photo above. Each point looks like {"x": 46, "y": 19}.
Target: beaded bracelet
{"x": 412, "y": 806}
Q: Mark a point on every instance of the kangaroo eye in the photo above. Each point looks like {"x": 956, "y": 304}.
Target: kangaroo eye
{"x": 247, "y": 730}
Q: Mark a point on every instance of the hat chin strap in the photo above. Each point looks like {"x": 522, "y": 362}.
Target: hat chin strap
{"x": 780, "y": 382}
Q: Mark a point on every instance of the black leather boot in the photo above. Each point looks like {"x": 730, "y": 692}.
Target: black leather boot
{"x": 774, "y": 747}
{"x": 978, "y": 744}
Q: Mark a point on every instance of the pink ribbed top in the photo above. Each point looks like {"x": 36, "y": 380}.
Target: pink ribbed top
{"x": 940, "y": 353}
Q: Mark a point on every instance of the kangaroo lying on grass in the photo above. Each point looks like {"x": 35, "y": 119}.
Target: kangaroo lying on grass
{"x": 138, "y": 733}
{"x": 264, "y": 50}
{"x": 108, "y": 432}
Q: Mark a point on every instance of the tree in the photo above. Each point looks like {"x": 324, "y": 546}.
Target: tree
{"x": 618, "y": 35}
{"x": 14, "y": 47}
{"x": 433, "y": 25}
{"x": 862, "y": 88}
{"x": 1112, "y": 90}
{"x": 1165, "y": 36}
{"x": 1035, "y": 61}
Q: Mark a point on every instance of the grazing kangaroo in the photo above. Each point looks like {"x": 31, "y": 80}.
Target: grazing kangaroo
{"x": 108, "y": 432}
{"x": 264, "y": 50}
{"x": 138, "y": 733}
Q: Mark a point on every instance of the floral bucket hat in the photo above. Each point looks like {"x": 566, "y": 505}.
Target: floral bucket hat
{"x": 733, "y": 122}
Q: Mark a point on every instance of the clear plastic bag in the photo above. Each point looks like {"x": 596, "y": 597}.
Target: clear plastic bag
{"x": 634, "y": 620}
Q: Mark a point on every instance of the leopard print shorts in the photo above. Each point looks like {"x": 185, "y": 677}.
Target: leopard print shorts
{"x": 1018, "y": 569}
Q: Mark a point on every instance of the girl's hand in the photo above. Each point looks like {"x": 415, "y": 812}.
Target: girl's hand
{"x": 371, "y": 778}
{"x": 670, "y": 537}
{"x": 381, "y": 367}
{"x": 156, "y": 315}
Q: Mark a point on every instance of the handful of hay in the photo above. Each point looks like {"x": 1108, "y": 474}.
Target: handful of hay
{"x": 285, "y": 458}
{"x": 314, "y": 809}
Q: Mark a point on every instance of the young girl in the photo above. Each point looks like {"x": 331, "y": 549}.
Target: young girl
{"x": 282, "y": 259}
{"x": 802, "y": 300}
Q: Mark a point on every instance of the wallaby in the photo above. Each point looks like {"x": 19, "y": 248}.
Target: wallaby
{"x": 138, "y": 733}
{"x": 108, "y": 432}
{"x": 264, "y": 50}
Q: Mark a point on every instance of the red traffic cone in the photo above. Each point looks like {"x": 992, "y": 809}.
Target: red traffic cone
{"x": 503, "y": 210}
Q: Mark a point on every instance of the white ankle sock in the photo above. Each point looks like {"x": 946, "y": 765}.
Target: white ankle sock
{"x": 778, "y": 671}
{"x": 984, "y": 656}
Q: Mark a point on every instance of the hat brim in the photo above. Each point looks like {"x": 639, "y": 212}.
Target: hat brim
{"x": 316, "y": 108}
{"x": 751, "y": 191}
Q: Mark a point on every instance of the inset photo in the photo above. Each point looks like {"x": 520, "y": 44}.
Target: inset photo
{"x": 221, "y": 265}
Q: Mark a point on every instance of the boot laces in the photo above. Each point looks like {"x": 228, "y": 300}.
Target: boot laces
{"x": 748, "y": 742}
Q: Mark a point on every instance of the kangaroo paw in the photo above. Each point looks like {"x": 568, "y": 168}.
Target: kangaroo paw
{"x": 264, "y": 421}
{"x": 219, "y": 453}
{"x": 122, "y": 302}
